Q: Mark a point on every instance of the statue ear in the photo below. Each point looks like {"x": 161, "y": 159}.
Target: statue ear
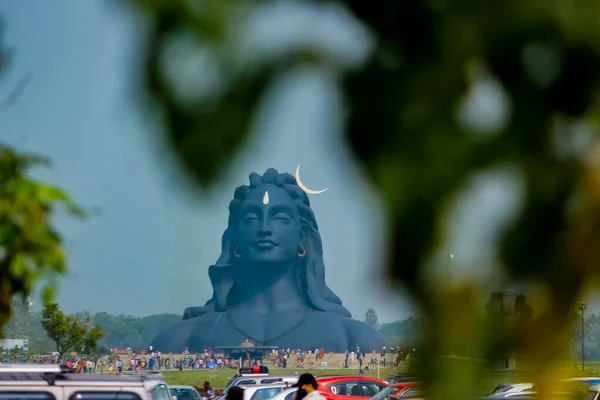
{"x": 303, "y": 235}
{"x": 228, "y": 246}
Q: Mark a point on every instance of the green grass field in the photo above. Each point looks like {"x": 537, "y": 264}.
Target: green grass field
{"x": 219, "y": 377}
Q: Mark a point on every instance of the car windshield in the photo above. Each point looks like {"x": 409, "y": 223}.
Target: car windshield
{"x": 161, "y": 392}
{"x": 384, "y": 393}
{"x": 185, "y": 394}
{"x": 228, "y": 385}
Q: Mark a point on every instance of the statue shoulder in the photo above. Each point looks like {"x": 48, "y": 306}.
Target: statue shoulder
{"x": 364, "y": 334}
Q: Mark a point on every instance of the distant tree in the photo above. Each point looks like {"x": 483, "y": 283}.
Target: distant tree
{"x": 371, "y": 317}
{"x": 70, "y": 333}
{"x": 408, "y": 332}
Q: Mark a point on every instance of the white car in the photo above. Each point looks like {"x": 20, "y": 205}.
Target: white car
{"x": 507, "y": 388}
{"x": 252, "y": 380}
{"x": 58, "y": 382}
{"x": 263, "y": 392}
{"x": 285, "y": 394}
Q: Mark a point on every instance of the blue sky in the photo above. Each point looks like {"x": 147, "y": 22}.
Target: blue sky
{"x": 149, "y": 248}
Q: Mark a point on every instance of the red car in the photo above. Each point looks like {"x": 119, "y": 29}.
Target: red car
{"x": 343, "y": 387}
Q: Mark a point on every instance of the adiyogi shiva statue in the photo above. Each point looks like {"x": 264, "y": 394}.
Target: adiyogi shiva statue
{"x": 269, "y": 282}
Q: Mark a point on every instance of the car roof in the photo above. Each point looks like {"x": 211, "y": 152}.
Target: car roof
{"x": 582, "y": 379}
{"x": 403, "y": 384}
{"x": 181, "y": 387}
{"x": 285, "y": 376}
{"x": 255, "y": 388}
{"x": 129, "y": 378}
{"x": 268, "y": 385}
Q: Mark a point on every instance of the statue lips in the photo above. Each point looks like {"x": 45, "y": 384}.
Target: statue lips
{"x": 265, "y": 244}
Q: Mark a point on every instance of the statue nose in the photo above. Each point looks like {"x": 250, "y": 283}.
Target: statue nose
{"x": 265, "y": 227}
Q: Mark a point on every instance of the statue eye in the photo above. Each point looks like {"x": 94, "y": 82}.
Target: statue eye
{"x": 250, "y": 217}
{"x": 281, "y": 217}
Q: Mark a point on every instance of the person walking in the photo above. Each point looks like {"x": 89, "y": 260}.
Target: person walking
{"x": 307, "y": 388}
{"x": 210, "y": 393}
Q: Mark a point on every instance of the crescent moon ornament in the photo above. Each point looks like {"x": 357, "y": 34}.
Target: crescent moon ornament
{"x": 303, "y": 187}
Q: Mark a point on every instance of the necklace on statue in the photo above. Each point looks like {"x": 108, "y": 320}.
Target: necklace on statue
{"x": 264, "y": 342}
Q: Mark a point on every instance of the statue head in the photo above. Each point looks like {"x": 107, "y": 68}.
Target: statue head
{"x": 271, "y": 226}
{"x": 269, "y": 221}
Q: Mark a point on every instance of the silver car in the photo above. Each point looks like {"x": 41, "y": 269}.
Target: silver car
{"x": 247, "y": 381}
{"x": 285, "y": 394}
{"x": 263, "y": 392}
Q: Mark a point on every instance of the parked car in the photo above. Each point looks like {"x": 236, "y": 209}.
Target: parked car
{"x": 185, "y": 393}
{"x": 514, "y": 388}
{"x": 578, "y": 386}
{"x": 285, "y": 394}
{"x": 400, "y": 378}
{"x": 349, "y": 387}
{"x": 263, "y": 392}
{"x": 396, "y": 389}
{"x": 592, "y": 393}
{"x": 413, "y": 393}
{"x": 527, "y": 395}
{"x": 251, "y": 380}
{"x": 58, "y": 382}
{"x": 522, "y": 395}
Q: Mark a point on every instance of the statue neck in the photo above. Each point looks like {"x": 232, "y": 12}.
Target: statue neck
{"x": 269, "y": 291}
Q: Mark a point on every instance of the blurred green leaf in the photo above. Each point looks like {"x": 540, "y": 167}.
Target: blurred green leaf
{"x": 30, "y": 247}
{"x": 403, "y": 128}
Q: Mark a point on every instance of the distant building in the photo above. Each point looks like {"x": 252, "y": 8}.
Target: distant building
{"x": 8, "y": 344}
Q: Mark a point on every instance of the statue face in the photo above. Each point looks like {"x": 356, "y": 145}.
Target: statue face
{"x": 269, "y": 233}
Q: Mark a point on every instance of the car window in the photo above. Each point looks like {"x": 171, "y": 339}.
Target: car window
{"x": 271, "y": 380}
{"x": 185, "y": 394}
{"x": 108, "y": 395}
{"x": 384, "y": 393}
{"x": 246, "y": 382}
{"x": 290, "y": 395}
{"x": 161, "y": 392}
{"x": 5, "y": 395}
{"x": 345, "y": 388}
{"x": 370, "y": 389}
{"x": 265, "y": 393}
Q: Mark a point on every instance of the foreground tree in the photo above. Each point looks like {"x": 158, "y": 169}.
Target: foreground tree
{"x": 70, "y": 333}
{"x": 414, "y": 121}
{"x": 30, "y": 248}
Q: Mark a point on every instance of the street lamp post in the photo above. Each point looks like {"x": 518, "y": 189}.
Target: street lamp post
{"x": 582, "y": 307}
